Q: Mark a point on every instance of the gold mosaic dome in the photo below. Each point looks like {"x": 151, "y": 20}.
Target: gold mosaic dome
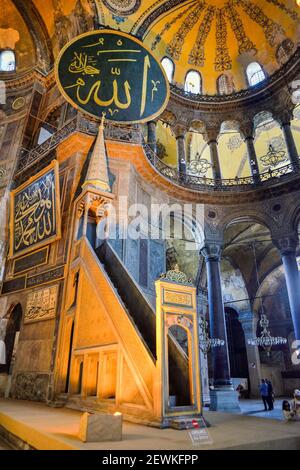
{"x": 213, "y": 37}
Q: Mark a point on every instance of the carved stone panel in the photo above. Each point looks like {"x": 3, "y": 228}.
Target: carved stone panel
{"x": 41, "y": 304}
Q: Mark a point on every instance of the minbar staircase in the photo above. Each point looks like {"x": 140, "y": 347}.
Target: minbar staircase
{"x": 109, "y": 298}
{"x": 143, "y": 316}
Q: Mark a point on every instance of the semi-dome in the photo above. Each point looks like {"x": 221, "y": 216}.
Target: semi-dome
{"x": 213, "y": 37}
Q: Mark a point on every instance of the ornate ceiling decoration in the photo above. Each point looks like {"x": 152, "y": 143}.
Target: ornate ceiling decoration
{"x": 230, "y": 17}
{"x": 122, "y": 7}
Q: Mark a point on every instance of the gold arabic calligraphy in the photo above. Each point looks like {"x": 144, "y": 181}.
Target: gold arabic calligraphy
{"x": 85, "y": 64}
{"x": 35, "y": 213}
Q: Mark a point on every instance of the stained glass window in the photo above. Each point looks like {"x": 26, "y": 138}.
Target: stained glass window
{"x": 7, "y": 61}
{"x": 168, "y": 67}
{"x": 193, "y": 82}
{"x": 255, "y": 74}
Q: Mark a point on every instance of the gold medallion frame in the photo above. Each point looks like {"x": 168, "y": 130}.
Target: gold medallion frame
{"x": 132, "y": 38}
{"x": 53, "y": 166}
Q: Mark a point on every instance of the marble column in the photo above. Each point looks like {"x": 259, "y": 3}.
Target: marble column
{"x": 290, "y": 143}
{"x": 249, "y": 322}
{"x": 284, "y": 118}
{"x": 247, "y": 132}
{"x": 287, "y": 247}
{"x": 252, "y": 159}
{"x": 180, "y": 133}
{"x": 211, "y": 138}
{"x": 152, "y": 135}
{"x": 223, "y": 396}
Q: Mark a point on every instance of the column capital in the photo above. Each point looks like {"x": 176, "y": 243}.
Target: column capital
{"x": 287, "y": 245}
{"x": 153, "y": 121}
{"x": 247, "y": 130}
{"x": 212, "y": 133}
{"x": 179, "y": 130}
{"x": 284, "y": 116}
{"x": 212, "y": 251}
{"x": 248, "y": 321}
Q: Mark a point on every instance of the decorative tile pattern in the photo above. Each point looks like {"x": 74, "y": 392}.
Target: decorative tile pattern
{"x": 167, "y": 26}
{"x": 271, "y": 29}
{"x": 223, "y": 59}
{"x": 122, "y": 7}
{"x": 244, "y": 43}
{"x": 175, "y": 47}
{"x": 284, "y": 8}
{"x": 197, "y": 55}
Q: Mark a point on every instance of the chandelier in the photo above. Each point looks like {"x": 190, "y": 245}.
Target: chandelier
{"x": 199, "y": 166}
{"x": 205, "y": 342}
{"x": 265, "y": 340}
{"x": 274, "y": 157}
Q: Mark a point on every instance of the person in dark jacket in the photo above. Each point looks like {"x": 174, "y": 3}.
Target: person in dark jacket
{"x": 270, "y": 395}
{"x": 264, "y": 390}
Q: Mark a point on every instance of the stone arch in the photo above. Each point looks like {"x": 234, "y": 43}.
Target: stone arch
{"x": 13, "y": 318}
{"x": 184, "y": 248}
{"x": 38, "y": 31}
{"x": 236, "y": 217}
{"x": 292, "y": 218}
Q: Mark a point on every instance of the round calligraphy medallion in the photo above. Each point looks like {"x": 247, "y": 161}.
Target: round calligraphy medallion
{"x": 112, "y": 73}
{"x": 122, "y": 7}
{"x": 19, "y": 103}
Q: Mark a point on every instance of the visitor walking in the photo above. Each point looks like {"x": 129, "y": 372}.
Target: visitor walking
{"x": 270, "y": 395}
{"x": 264, "y": 393}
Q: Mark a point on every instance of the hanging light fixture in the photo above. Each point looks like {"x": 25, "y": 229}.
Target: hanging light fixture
{"x": 265, "y": 340}
{"x": 199, "y": 166}
{"x": 205, "y": 342}
{"x": 274, "y": 157}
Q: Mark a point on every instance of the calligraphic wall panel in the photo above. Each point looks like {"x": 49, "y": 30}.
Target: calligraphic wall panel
{"x": 41, "y": 304}
{"x": 33, "y": 260}
{"x": 112, "y": 73}
{"x": 44, "y": 278}
{"x": 13, "y": 285}
{"x": 35, "y": 212}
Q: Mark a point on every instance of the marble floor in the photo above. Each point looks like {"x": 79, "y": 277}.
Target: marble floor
{"x": 46, "y": 428}
{"x": 256, "y": 408}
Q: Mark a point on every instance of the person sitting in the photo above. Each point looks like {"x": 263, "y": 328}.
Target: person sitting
{"x": 288, "y": 413}
{"x": 296, "y": 404}
{"x": 240, "y": 389}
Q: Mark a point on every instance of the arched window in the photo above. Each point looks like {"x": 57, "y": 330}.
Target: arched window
{"x": 168, "y": 66}
{"x": 284, "y": 51}
{"x": 225, "y": 85}
{"x": 193, "y": 82}
{"x": 255, "y": 74}
{"x": 7, "y": 61}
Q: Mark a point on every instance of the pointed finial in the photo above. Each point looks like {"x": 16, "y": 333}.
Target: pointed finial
{"x": 97, "y": 174}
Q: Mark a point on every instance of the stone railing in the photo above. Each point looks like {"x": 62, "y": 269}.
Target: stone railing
{"x": 130, "y": 134}
{"x": 202, "y": 183}
{"x": 27, "y": 158}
